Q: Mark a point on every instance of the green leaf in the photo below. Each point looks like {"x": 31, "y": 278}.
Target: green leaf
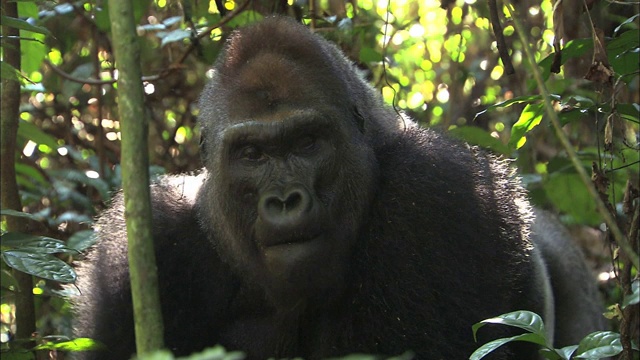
{"x": 34, "y": 243}
{"x": 551, "y": 354}
{"x": 567, "y": 351}
{"x": 489, "y": 347}
{"x": 173, "y": 36}
{"x": 7, "y": 280}
{"x": 18, "y": 355}
{"x": 369, "y": 55}
{"x": 30, "y": 131}
{"x": 215, "y": 353}
{"x": 80, "y": 177}
{"x": 32, "y": 43}
{"x": 477, "y": 136}
{"x": 628, "y": 21}
{"x": 41, "y": 265}
{"x": 34, "y": 177}
{"x": 529, "y": 119}
{"x": 513, "y": 101}
{"x": 629, "y": 111}
{"x": 23, "y": 25}
{"x": 9, "y": 212}
{"x": 245, "y": 18}
{"x": 573, "y": 49}
{"x": 79, "y": 344}
{"x": 72, "y": 216}
{"x": 569, "y": 195}
{"x": 624, "y": 53}
{"x": 523, "y": 319}
{"x": 172, "y": 20}
{"x": 82, "y": 240}
{"x": 634, "y": 297}
{"x": 9, "y": 72}
{"x": 573, "y": 115}
{"x": 598, "y": 345}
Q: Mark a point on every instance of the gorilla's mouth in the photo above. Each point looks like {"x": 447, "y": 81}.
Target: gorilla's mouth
{"x": 282, "y": 241}
{"x": 288, "y": 256}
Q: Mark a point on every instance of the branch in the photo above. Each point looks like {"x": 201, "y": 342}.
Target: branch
{"x": 497, "y": 31}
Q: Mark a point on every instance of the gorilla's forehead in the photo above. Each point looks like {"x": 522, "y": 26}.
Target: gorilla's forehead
{"x": 270, "y": 83}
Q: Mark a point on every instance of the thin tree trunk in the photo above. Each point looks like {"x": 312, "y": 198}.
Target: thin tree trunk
{"x": 10, "y": 198}
{"x": 135, "y": 179}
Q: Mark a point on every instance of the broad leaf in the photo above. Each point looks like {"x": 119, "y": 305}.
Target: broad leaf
{"x": 41, "y": 265}
{"x": 598, "y": 345}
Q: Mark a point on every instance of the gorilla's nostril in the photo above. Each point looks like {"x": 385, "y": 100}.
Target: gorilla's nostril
{"x": 274, "y": 205}
{"x": 293, "y": 201}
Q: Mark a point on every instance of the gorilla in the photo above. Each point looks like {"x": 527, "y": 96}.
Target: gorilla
{"x": 326, "y": 224}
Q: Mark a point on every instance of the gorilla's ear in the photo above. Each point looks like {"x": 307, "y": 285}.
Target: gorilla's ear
{"x": 360, "y": 120}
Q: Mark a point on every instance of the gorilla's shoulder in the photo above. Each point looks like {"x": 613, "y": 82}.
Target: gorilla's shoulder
{"x": 175, "y": 195}
{"x": 428, "y": 153}
{"x": 172, "y": 201}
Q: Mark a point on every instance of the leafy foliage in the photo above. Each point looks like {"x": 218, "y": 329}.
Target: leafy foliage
{"x": 597, "y": 345}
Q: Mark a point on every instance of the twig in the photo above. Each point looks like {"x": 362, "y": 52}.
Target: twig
{"x": 497, "y": 31}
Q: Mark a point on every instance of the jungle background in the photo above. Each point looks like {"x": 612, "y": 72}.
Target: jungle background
{"x": 466, "y": 67}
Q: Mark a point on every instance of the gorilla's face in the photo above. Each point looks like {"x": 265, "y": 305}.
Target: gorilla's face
{"x": 288, "y": 195}
{"x": 291, "y": 176}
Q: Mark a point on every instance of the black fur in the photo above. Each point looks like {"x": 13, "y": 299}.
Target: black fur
{"x": 420, "y": 236}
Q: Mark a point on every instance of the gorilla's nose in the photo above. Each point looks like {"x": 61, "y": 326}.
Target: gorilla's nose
{"x": 285, "y": 209}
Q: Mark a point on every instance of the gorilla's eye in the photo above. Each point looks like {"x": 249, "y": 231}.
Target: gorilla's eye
{"x": 251, "y": 152}
{"x": 306, "y": 143}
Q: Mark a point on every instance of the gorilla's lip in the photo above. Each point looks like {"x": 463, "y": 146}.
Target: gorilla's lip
{"x": 288, "y": 241}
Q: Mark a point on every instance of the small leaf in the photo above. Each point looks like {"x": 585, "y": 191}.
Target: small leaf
{"x": 493, "y": 345}
{"x": 529, "y": 118}
{"x": 9, "y": 212}
{"x": 172, "y": 20}
{"x": 41, "y": 265}
{"x": 629, "y": 111}
{"x": 634, "y": 297}
{"x": 598, "y": 345}
{"x": 23, "y": 25}
{"x": 9, "y": 72}
{"x": 369, "y": 55}
{"x": 551, "y": 354}
{"x": 79, "y": 344}
{"x": 34, "y": 243}
{"x": 628, "y": 21}
{"x": 30, "y": 131}
{"x": 82, "y": 240}
{"x": 567, "y": 351}
{"x": 507, "y": 103}
{"x": 73, "y": 216}
{"x": 477, "y": 136}
{"x": 173, "y": 36}
{"x": 523, "y": 319}
{"x": 7, "y": 279}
